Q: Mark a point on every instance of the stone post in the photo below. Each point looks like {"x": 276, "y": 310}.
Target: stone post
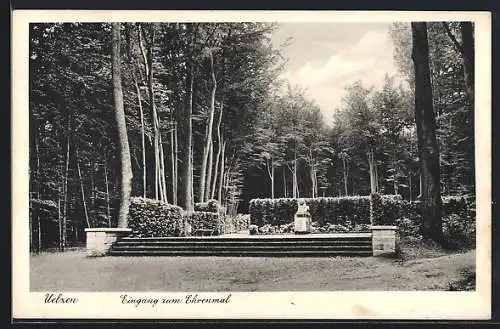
{"x": 383, "y": 240}
{"x": 99, "y": 240}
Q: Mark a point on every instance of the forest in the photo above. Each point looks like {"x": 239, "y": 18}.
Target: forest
{"x": 204, "y": 115}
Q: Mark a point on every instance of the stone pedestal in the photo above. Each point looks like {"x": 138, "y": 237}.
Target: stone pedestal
{"x": 302, "y": 224}
{"x": 99, "y": 240}
{"x": 383, "y": 240}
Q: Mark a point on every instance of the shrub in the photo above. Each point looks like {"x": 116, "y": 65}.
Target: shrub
{"x": 254, "y": 229}
{"x": 240, "y": 222}
{"x": 203, "y": 220}
{"x": 459, "y": 232}
{"x": 458, "y": 216}
{"x": 455, "y": 205}
{"x": 152, "y": 218}
{"x": 392, "y": 208}
{"x": 276, "y": 212}
{"x": 408, "y": 227}
{"x": 210, "y": 206}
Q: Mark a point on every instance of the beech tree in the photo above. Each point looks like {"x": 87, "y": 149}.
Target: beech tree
{"x": 126, "y": 168}
{"x": 426, "y": 133}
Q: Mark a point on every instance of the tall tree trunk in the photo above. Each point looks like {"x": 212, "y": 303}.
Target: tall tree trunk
{"x": 311, "y": 175}
{"x": 345, "y": 174}
{"x": 219, "y": 151}
{"x": 191, "y": 151}
{"x": 147, "y": 56}
{"x": 395, "y": 167}
{"x": 270, "y": 172}
{"x": 163, "y": 181}
{"x": 185, "y": 191}
{"x": 108, "y": 210}
{"x": 208, "y": 183}
{"x": 284, "y": 183}
{"x": 59, "y": 220}
{"x": 176, "y": 176}
{"x": 139, "y": 100}
{"x": 208, "y": 132}
{"x": 82, "y": 189}
{"x": 65, "y": 186}
{"x": 39, "y": 224}
{"x": 92, "y": 186}
{"x": 37, "y": 210}
{"x": 419, "y": 186}
{"x": 65, "y": 193}
{"x": 272, "y": 180}
{"x": 173, "y": 162}
{"x": 427, "y": 145}
{"x": 409, "y": 185}
{"x": 126, "y": 166}
{"x": 156, "y": 128}
{"x": 373, "y": 181}
{"x": 467, "y": 31}
{"x": 295, "y": 183}
{"x": 143, "y": 140}
{"x": 221, "y": 172}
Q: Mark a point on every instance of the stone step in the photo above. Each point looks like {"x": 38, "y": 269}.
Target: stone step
{"x": 242, "y": 243}
{"x": 246, "y": 253}
{"x": 284, "y": 245}
{"x": 247, "y": 239}
{"x": 217, "y": 248}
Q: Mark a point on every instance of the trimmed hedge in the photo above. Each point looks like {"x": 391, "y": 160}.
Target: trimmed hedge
{"x": 204, "y": 220}
{"x": 324, "y": 210}
{"x": 375, "y": 209}
{"x": 209, "y": 206}
{"x": 450, "y": 205}
{"x": 386, "y": 209}
{"x": 152, "y": 218}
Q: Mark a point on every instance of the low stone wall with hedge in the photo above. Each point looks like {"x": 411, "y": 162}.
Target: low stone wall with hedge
{"x": 345, "y": 214}
{"x": 324, "y": 210}
{"x": 152, "y": 218}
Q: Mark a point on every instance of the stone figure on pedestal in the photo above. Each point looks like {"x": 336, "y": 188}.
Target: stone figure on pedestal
{"x": 302, "y": 222}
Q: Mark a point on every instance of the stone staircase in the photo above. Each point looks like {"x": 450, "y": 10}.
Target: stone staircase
{"x": 310, "y": 245}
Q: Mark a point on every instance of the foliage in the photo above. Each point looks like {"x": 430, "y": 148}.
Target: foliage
{"x": 153, "y": 218}
{"x": 466, "y": 283}
{"x": 253, "y": 229}
{"x": 210, "y": 206}
{"x": 459, "y": 232}
{"x": 458, "y": 205}
{"x": 376, "y": 209}
{"x": 202, "y": 220}
{"x": 454, "y": 113}
{"x": 459, "y": 223}
{"x": 239, "y": 222}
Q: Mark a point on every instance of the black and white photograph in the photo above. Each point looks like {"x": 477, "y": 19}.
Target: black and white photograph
{"x": 194, "y": 161}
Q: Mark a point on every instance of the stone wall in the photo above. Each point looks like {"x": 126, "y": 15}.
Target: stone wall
{"x": 100, "y": 240}
{"x": 383, "y": 240}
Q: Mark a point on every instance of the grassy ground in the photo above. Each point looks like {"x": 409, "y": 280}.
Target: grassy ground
{"x": 417, "y": 268}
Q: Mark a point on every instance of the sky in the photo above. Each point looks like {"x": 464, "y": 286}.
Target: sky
{"x": 325, "y": 57}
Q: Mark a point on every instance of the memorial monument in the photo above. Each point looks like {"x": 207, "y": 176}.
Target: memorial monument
{"x": 302, "y": 219}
